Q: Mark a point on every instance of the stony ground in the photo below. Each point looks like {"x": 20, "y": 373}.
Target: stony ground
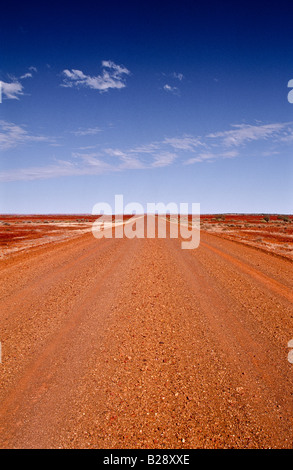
{"x": 136, "y": 343}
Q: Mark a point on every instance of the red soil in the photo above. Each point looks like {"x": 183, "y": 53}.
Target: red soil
{"x": 136, "y": 343}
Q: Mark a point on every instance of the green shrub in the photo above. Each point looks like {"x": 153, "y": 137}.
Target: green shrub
{"x": 285, "y": 218}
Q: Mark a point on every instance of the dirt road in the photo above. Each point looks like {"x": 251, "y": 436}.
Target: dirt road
{"x": 136, "y": 343}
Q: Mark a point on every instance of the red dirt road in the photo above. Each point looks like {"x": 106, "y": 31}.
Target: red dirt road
{"x": 136, "y": 343}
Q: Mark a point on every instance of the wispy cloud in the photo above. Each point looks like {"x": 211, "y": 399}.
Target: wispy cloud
{"x": 184, "y": 143}
{"x": 50, "y": 171}
{"x": 172, "y": 82}
{"x": 149, "y": 156}
{"x": 287, "y": 136}
{"x": 126, "y": 159}
{"x": 243, "y": 133}
{"x": 146, "y": 149}
{"x": 171, "y": 89}
{"x": 163, "y": 159}
{"x": 179, "y": 76}
{"x": 128, "y": 162}
{"x": 114, "y": 152}
{"x": 86, "y": 164}
{"x": 113, "y": 76}
{"x": 12, "y": 90}
{"x": 180, "y": 150}
{"x": 93, "y": 159}
{"x": 89, "y": 131}
{"x": 210, "y": 157}
{"x": 12, "y": 135}
{"x": 27, "y": 75}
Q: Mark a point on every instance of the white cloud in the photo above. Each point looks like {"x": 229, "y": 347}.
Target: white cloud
{"x": 148, "y": 148}
{"x": 171, "y": 89}
{"x": 131, "y": 163}
{"x": 12, "y": 90}
{"x": 187, "y": 150}
{"x": 231, "y": 154}
{"x": 117, "y": 70}
{"x": 88, "y": 164}
{"x": 12, "y": 135}
{"x": 87, "y": 147}
{"x": 93, "y": 159}
{"x": 45, "y": 172}
{"x": 27, "y": 75}
{"x": 287, "y": 136}
{"x": 89, "y": 131}
{"x": 115, "y": 152}
{"x": 131, "y": 159}
{"x": 163, "y": 159}
{"x": 210, "y": 156}
{"x": 245, "y": 133}
{"x": 179, "y": 76}
{"x": 127, "y": 161}
{"x": 183, "y": 143}
{"x": 113, "y": 76}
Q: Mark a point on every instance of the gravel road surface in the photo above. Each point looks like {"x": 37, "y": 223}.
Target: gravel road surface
{"x": 136, "y": 343}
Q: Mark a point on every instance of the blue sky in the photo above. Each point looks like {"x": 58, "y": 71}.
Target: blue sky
{"x": 179, "y": 101}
